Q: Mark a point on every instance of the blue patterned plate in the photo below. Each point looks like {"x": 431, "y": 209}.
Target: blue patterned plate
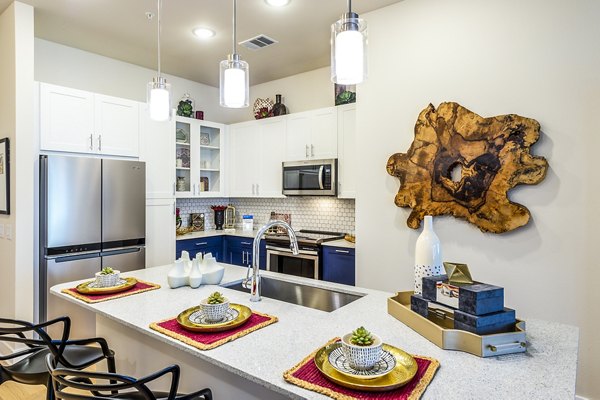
{"x": 385, "y": 365}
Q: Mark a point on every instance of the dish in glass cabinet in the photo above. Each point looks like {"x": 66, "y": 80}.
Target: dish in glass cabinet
{"x": 385, "y": 365}
{"x": 89, "y": 288}
{"x": 193, "y": 319}
{"x": 404, "y": 370}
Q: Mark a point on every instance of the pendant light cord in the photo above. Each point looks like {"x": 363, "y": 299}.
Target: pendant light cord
{"x": 234, "y": 26}
{"x": 349, "y": 6}
{"x": 158, "y": 7}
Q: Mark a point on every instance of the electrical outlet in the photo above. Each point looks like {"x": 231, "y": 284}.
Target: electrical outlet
{"x": 1, "y": 230}
{"x": 8, "y": 231}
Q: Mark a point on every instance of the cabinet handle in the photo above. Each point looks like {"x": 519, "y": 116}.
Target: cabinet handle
{"x": 91, "y": 141}
{"x": 194, "y": 192}
{"x": 253, "y": 189}
{"x": 243, "y": 259}
{"x": 306, "y": 151}
{"x": 312, "y": 150}
{"x": 343, "y": 251}
{"x": 201, "y": 244}
{"x": 174, "y": 185}
{"x": 99, "y": 142}
{"x": 257, "y": 189}
{"x": 246, "y": 243}
{"x": 174, "y": 209}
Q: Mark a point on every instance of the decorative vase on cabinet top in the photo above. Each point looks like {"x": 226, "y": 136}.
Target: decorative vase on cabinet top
{"x": 428, "y": 255}
{"x": 278, "y": 108}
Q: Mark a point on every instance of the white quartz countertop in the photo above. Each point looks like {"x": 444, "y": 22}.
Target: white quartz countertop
{"x": 214, "y": 232}
{"x": 340, "y": 243}
{"x": 546, "y": 371}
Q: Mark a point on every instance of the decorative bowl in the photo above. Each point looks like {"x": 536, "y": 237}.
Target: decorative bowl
{"x": 362, "y": 358}
{"x": 107, "y": 280}
{"x": 214, "y": 312}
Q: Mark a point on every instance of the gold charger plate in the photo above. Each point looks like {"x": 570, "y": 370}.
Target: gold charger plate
{"x": 405, "y": 370}
{"x": 244, "y": 314}
{"x": 84, "y": 288}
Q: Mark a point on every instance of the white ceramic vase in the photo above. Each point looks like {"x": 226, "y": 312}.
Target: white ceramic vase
{"x": 428, "y": 255}
{"x": 195, "y": 277}
{"x": 177, "y": 276}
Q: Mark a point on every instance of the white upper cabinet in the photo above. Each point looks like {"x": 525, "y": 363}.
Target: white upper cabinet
{"x": 66, "y": 119}
{"x": 157, "y": 145}
{"x": 117, "y": 126}
{"x": 312, "y": 135}
{"x": 256, "y": 154}
{"x": 77, "y": 121}
{"x": 347, "y": 151}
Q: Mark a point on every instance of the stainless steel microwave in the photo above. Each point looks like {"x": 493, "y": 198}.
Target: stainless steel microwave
{"x": 310, "y": 178}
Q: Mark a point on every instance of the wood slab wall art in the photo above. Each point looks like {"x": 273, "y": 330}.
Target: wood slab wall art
{"x": 462, "y": 164}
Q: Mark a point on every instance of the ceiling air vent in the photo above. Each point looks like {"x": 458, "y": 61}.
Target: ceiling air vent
{"x": 258, "y": 42}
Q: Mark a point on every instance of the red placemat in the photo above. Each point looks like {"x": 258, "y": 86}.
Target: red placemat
{"x": 210, "y": 340}
{"x": 139, "y": 287}
{"x": 306, "y": 375}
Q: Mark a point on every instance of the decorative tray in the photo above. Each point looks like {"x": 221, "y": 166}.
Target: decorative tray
{"x": 193, "y": 320}
{"x": 455, "y": 339}
{"x": 88, "y": 288}
{"x": 404, "y": 370}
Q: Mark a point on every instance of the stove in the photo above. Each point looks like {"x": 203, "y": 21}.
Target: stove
{"x": 306, "y": 238}
{"x": 307, "y": 262}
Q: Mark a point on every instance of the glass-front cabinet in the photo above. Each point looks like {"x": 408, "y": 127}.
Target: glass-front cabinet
{"x": 199, "y": 159}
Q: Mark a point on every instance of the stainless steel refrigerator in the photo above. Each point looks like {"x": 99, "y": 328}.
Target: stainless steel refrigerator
{"x": 92, "y": 215}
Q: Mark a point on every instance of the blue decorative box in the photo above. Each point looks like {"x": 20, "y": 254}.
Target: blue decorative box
{"x": 475, "y": 298}
{"x": 502, "y": 321}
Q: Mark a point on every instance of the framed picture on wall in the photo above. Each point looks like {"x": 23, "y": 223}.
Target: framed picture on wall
{"x": 4, "y": 176}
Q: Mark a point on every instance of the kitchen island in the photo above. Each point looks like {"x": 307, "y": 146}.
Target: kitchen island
{"x": 252, "y": 367}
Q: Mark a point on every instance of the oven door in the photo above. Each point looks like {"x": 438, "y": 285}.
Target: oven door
{"x": 313, "y": 178}
{"x": 305, "y": 264}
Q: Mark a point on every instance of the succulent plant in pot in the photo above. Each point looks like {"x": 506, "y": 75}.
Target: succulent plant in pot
{"x": 362, "y": 349}
{"x": 215, "y": 307}
{"x": 107, "y": 277}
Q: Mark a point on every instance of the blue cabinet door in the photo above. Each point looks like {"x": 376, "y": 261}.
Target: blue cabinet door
{"x": 239, "y": 251}
{"x": 339, "y": 265}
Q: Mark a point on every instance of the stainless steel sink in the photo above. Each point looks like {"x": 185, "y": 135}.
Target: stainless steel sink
{"x": 302, "y": 295}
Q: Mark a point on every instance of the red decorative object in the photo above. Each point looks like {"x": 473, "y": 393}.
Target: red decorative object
{"x": 218, "y": 208}
{"x": 139, "y": 287}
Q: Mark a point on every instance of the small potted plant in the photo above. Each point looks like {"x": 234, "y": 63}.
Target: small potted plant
{"x": 362, "y": 349}
{"x": 107, "y": 277}
{"x": 215, "y": 307}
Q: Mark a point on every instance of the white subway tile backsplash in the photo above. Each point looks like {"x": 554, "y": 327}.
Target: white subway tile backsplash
{"x": 319, "y": 213}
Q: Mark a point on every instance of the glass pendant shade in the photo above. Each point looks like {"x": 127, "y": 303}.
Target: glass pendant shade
{"x": 159, "y": 99}
{"x": 349, "y": 50}
{"x": 234, "y": 82}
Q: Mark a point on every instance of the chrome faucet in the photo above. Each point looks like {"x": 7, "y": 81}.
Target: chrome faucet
{"x": 253, "y": 283}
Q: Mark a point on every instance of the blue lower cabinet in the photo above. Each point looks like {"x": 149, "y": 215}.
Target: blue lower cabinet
{"x": 339, "y": 265}
{"x": 213, "y": 244}
{"x": 238, "y": 251}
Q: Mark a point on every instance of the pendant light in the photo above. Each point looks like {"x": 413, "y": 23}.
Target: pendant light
{"x": 158, "y": 93}
{"x": 349, "y": 49}
{"x": 233, "y": 76}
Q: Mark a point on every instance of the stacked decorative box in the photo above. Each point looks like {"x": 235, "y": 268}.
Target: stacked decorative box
{"x": 475, "y": 307}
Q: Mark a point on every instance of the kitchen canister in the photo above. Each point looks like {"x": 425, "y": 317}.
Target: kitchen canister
{"x": 247, "y": 223}
{"x": 428, "y": 255}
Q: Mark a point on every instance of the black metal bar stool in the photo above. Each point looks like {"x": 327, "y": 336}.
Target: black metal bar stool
{"x": 31, "y": 369}
{"x": 109, "y": 386}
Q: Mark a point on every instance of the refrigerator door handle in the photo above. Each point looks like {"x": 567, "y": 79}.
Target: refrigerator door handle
{"x": 120, "y": 250}
{"x": 75, "y": 257}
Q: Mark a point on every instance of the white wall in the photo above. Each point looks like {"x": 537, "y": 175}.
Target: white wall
{"x": 71, "y": 67}
{"x": 16, "y": 122}
{"x": 535, "y": 58}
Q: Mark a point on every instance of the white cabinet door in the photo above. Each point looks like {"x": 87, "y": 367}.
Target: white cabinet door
{"x": 66, "y": 119}
{"x": 244, "y": 152}
{"x": 297, "y": 137}
{"x": 160, "y": 232}
{"x": 323, "y": 132}
{"x": 347, "y": 151}
{"x": 117, "y": 126}
{"x": 157, "y": 147}
{"x": 272, "y": 139}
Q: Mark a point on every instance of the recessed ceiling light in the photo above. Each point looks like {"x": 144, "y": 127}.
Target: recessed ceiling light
{"x": 277, "y": 3}
{"x": 203, "y": 33}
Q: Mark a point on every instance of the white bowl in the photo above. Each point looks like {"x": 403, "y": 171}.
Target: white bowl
{"x": 107, "y": 280}
{"x": 214, "y": 312}
{"x": 362, "y": 357}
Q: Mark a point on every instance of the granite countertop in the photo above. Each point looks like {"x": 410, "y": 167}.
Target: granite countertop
{"x": 547, "y": 370}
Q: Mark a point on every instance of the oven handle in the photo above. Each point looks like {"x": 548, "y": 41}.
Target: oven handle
{"x": 283, "y": 252}
{"x": 321, "y": 177}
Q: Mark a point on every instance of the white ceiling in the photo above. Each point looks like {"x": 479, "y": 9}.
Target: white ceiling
{"x": 119, "y": 29}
